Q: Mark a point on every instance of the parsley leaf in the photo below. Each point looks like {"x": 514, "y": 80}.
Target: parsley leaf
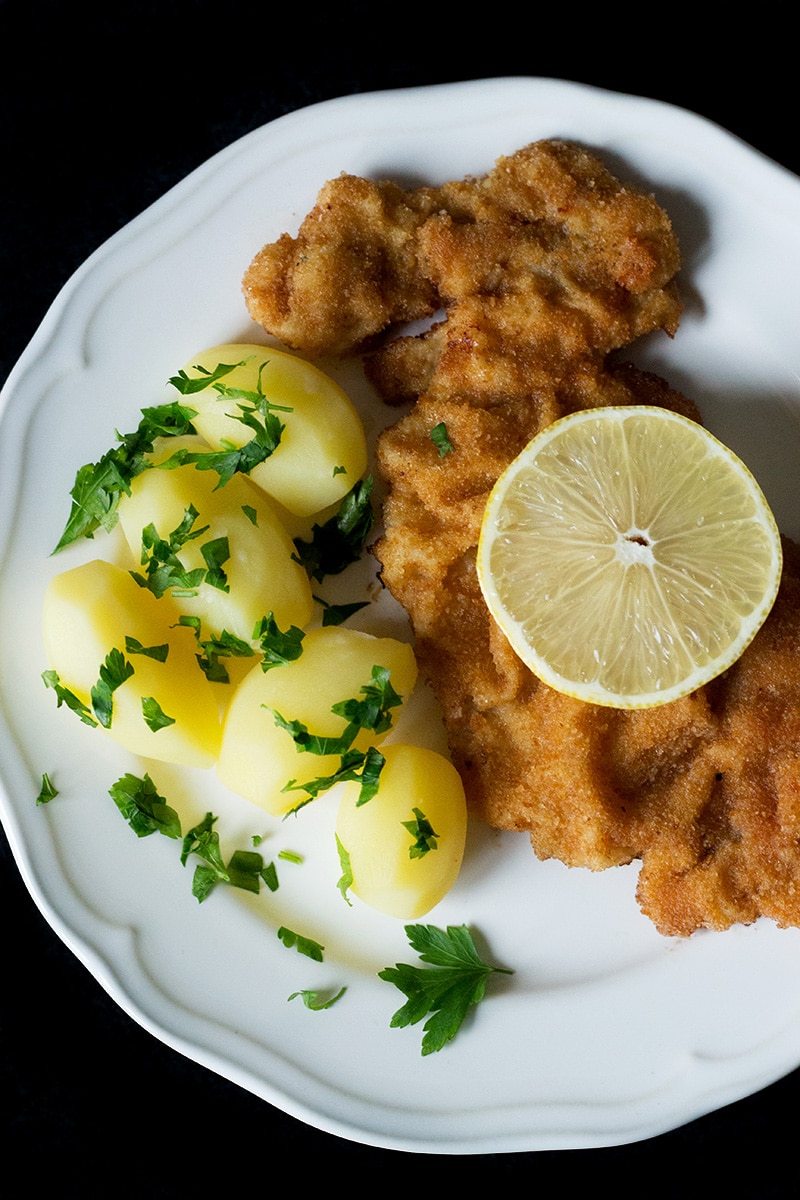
{"x": 227, "y": 645}
{"x": 337, "y": 614}
{"x": 143, "y": 808}
{"x": 99, "y": 486}
{"x": 245, "y": 868}
{"x": 312, "y": 999}
{"x": 441, "y": 439}
{"x": 113, "y": 673}
{"x": 303, "y": 945}
{"x": 422, "y": 832}
{"x": 164, "y": 569}
{"x": 340, "y": 541}
{"x": 278, "y": 647}
{"x": 346, "y": 878}
{"x": 443, "y": 992}
{"x": 47, "y": 791}
{"x": 154, "y": 715}
{"x": 186, "y": 384}
{"x": 65, "y": 696}
{"x": 159, "y": 653}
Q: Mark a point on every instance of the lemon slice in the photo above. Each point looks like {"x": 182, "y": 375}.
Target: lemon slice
{"x": 628, "y": 556}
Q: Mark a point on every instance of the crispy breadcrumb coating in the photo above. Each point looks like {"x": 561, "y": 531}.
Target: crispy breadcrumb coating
{"x": 537, "y": 275}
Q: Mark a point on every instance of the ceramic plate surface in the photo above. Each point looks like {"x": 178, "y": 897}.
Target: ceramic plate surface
{"x": 606, "y": 1032}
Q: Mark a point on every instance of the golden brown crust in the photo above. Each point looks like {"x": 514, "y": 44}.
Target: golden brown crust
{"x": 544, "y": 269}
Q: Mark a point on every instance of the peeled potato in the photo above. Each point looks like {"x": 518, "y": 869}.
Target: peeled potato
{"x": 322, "y": 453}
{"x": 386, "y": 876}
{"x": 261, "y": 574}
{"x": 91, "y": 610}
{"x": 258, "y": 757}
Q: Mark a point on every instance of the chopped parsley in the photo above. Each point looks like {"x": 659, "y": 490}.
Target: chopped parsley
{"x": 113, "y": 673}
{"x": 278, "y": 647}
{"x": 303, "y": 945}
{"x": 47, "y": 791}
{"x": 154, "y": 715}
{"x": 346, "y": 878}
{"x": 99, "y": 486}
{"x": 65, "y": 696}
{"x": 256, "y": 413}
{"x": 441, "y": 439}
{"x": 340, "y": 541}
{"x": 337, "y": 614}
{"x": 445, "y": 991}
{"x": 290, "y": 856}
{"x": 315, "y": 1001}
{"x": 245, "y": 869}
{"x": 372, "y": 712}
{"x": 423, "y": 834}
{"x": 143, "y": 808}
{"x": 164, "y": 570}
{"x": 214, "y": 649}
{"x": 159, "y": 653}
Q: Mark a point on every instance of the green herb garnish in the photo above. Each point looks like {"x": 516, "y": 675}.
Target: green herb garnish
{"x": 441, "y": 439}
{"x": 373, "y": 713}
{"x": 256, "y": 412}
{"x": 113, "y": 673}
{"x": 226, "y": 645}
{"x": 337, "y": 614}
{"x": 154, "y": 715}
{"x": 315, "y": 1001}
{"x": 346, "y": 879}
{"x": 47, "y": 791}
{"x": 159, "y": 653}
{"x": 164, "y": 569}
{"x": 65, "y": 696}
{"x": 340, "y": 541}
{"x": 303, "y": 945}
{"x": 423, "y": 834}
{"x": 245, "y": 868}
{"x": 278, "y": 647}
{"x": 443, "y": 992}
{"x": 99, "y": 486}
{"x": 143, "y": 808}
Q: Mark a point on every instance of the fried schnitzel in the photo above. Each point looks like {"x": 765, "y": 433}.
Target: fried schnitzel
{"x": 537, "y": 275}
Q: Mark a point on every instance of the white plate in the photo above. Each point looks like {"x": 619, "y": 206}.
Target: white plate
{"x": 607, "y": 1032}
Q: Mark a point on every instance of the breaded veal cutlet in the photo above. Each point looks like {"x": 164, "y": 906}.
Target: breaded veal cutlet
{"x": 536, "y": 276}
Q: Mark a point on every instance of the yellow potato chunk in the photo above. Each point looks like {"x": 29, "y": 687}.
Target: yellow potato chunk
{"x": 260, "y": 574}
{"x": 399, "y": 870}
{"x": 91, "y": 610}
{"x": 322, "y": 452}
{"x": 259, "y": 757}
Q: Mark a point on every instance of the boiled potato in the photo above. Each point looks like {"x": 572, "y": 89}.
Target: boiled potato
{"x": 261, "y": 574}
{"x": 91, "y": 610}
{"x": 258, "y": 757}
{"x": 386, "y": 875}
{"x": 322, "y": 453}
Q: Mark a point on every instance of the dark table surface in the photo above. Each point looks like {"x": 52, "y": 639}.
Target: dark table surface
{"x": 103, "y": 111}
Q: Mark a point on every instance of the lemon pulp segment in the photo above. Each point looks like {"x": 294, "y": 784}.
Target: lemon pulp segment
{"x": 628, "y": 556}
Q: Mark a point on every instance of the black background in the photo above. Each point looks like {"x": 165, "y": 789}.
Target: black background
{"x": 103, "y": 111}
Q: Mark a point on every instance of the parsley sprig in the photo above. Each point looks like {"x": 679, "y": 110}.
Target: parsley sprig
{"x": 445, "y": 991}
